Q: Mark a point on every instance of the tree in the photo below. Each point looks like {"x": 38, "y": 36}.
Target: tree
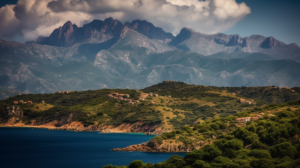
{"x": 136, "y": 164}
{"x": 201, "y": 164}
{"x": 211, "y": 152}
{"x": 190, "y": 158}
{"x": 260, "y": 154}
{"x": 283, "y": 149}
{"x": 176, "y": 161}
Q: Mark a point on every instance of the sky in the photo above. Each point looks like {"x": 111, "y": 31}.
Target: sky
{"x": 32, "y": 18}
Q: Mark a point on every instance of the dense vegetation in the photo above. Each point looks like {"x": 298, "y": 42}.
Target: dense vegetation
{"x": 269, "y": 142}
{"x": 179, "y": 104}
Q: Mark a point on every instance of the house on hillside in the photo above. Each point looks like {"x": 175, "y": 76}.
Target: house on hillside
{"x": 29, "y": 102}
{"x": 127, "y": 100}
{"x": 115, "y": 94}
{"x": 126, "y": 95}
{"x": 153, "y": 103}
{"x": 120, "y": 98}
{"x": 141, "y": 98}
{"x": 293, "y": 91}
{"x": 144, "y": 95}
{"x": 242, "y": 101}
{"x": 43, "y": 102}
{"x": 248, "y": 102}
{"x": 156, "y": 95}
{"x": 16, "y": 102}
{"x": 150, "y": 94}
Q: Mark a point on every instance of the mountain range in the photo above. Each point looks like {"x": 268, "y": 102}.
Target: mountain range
{"x": 110, "y": 54}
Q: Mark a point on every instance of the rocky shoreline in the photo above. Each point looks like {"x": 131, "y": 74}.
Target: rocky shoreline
{"x": 68, "y": 124}
{"x": 154, "y": 146}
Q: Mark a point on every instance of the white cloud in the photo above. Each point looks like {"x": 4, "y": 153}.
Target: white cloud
{"x": 32, "y": 18}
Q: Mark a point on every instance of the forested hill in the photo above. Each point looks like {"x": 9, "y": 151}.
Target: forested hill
{"x": 176, "y": 105}
{"x": 272, "y": 141}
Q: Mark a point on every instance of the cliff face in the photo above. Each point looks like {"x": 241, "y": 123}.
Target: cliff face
{"x": 70, "y": 34}
{"x": 154, "y": 146}
{"x": 12, "y": 111}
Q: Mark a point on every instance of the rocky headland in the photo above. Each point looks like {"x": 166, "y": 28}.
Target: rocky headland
{"x": 154, "y": 146}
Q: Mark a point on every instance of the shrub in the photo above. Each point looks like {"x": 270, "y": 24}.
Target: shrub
{"x": 175, "y": 161}
{"x": 283, "y": 149}
{"x": 211, "y": 152}
{"x": 201, "y": 164}
{"x": 214, "y": 126}
{"x": 260, "y": 154}
{"x": 136, "y": 164}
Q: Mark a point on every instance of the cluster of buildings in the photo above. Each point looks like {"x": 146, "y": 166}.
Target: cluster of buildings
{"x": 22, "y": 102}
{"x": 67, "y": 92}
{"x": 287, "y": 88}
{"x": 145, "y": 95}
{"x": 246, "y": 101}
{"x": 124, "y": 97}
{"x": 25, "y": 102}
{"x": 246, "y": 119}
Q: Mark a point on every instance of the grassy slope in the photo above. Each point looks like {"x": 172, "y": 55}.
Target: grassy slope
{"x": 188, "y": 105}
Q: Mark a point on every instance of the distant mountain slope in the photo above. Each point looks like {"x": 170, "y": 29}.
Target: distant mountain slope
{"x": 189, "y": 40}
{"x": 100, "y": 31}
{"x": 149, "y": 30}
{"x": 70, "y": 34}
{"x": 108, "y": 54}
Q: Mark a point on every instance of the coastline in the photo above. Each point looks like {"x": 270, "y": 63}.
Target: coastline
{"x": 58, "y": 128}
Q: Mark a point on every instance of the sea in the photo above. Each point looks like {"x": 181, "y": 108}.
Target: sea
{"x": 42, "y": 148}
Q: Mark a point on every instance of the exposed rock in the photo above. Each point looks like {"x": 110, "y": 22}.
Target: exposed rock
{"x": 235, "y": 40}
{"x": 70, "y": 34}
{"x": 154, "y": 146}
{"x": 184, "y": 34}
{"x": 270, "y": 42}
{"x": 12, "y": 111}
{"x": 149, "y": 30}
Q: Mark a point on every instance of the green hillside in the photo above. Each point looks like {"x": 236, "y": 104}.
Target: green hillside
{"x": 269, "y": 142}
{"x": 178, "y": 104}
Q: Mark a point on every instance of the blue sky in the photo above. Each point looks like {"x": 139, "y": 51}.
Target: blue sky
{"x": 277, "y": 18}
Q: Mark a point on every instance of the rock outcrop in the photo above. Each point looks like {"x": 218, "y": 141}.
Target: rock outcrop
{"x": 12, "y": 111}
{"x": 154, "y": 146}
{"x": 149, "y": 30}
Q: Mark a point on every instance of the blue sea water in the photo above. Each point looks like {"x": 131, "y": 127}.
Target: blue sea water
{"x": 41, "y": 148}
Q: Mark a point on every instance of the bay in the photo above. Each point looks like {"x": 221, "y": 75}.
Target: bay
{"x": 41, "y": 148}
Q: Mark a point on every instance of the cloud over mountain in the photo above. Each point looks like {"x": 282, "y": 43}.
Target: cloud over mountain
{"x": 29, "y": 19}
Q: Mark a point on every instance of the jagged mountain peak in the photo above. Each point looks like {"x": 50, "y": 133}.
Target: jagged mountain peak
{"x": 149, "y": 30}
{"x": 270, "y": 42}
{"x": 184, "y": 34}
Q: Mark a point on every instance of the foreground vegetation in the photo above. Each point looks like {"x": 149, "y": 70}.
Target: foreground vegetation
{"x": 269, "y": 142}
